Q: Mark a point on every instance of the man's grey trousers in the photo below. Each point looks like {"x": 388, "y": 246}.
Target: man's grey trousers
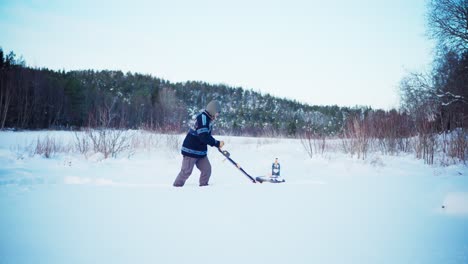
{"x": 203, "y": 164}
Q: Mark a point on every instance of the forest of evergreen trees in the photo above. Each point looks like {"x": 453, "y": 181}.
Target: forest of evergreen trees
{"x": 431, "y": 102}
{"x": 42, "y": 99}
{"x": 32, "y": 98}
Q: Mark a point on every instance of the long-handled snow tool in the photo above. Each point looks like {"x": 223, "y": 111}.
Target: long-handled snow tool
{"x": 228, "y": 156}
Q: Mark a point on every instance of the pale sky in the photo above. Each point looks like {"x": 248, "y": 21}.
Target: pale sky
{"x": 329, "y": 52}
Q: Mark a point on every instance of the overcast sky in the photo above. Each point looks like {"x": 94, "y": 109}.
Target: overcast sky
{"x": 317, "y": 52}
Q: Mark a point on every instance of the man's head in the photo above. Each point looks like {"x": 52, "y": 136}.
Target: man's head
{"x": 213, "y": 108}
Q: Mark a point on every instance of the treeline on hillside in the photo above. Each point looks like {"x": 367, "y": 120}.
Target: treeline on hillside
{"x": 432, "y": 102}
{"x": 42, "y": 98}
{"x": 438, "y": 99}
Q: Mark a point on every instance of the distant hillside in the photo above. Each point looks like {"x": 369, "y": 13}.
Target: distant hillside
{"x": 42, "y": 98}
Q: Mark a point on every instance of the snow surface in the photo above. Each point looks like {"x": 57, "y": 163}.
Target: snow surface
{"x": 332, "y": 208}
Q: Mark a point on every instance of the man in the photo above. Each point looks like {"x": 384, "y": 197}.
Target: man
{"x": 194, "y": 148}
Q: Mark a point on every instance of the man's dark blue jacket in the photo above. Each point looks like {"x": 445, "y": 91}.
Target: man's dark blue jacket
{"x": 198, "y": 137}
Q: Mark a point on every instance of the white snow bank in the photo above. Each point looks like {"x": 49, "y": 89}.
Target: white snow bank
{"x": 75, "y": 180}
{"x": 332, "y": 208}
{"x": 456, "y": 204}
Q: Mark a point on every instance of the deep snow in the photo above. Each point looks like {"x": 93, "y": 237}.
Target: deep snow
{"x": 332, "y": 208}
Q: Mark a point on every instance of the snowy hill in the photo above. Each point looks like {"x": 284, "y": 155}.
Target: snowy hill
{"x": 332, "y": 208}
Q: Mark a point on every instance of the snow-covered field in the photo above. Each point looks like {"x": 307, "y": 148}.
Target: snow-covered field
{"x": 332, "y": 208}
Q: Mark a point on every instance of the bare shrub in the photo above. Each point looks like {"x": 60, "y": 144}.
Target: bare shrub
{"x": 270, "y": 131}
{"x": 82, "y": 142}
{"x": 313, "y": 142}
{"x": 307, "y": 142}
{"x": 145, "y": 140}
{"x": 320, "y": 143}
{"x": 426, "y": 142}
{"x": 458, "y": 147}
{"x": 109, "y": 142}
{"x": 356, "y": 139}
{"x": 48, "y": 146}
{"x": 20, "y": 152}
{"x": 266, "y": 141}
{"x": 404, "y": 144}
{"x": 173, "y": 142}
{"x": 425, "y": 147}
{"x": 454, "y": 147}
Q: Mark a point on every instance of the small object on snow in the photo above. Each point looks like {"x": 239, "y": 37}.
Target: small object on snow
{"x": 275, "y": 168}
{"x": 443, "y": 206}
{"x": 263, "y": 179}
{"x": 274, "y": 176}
